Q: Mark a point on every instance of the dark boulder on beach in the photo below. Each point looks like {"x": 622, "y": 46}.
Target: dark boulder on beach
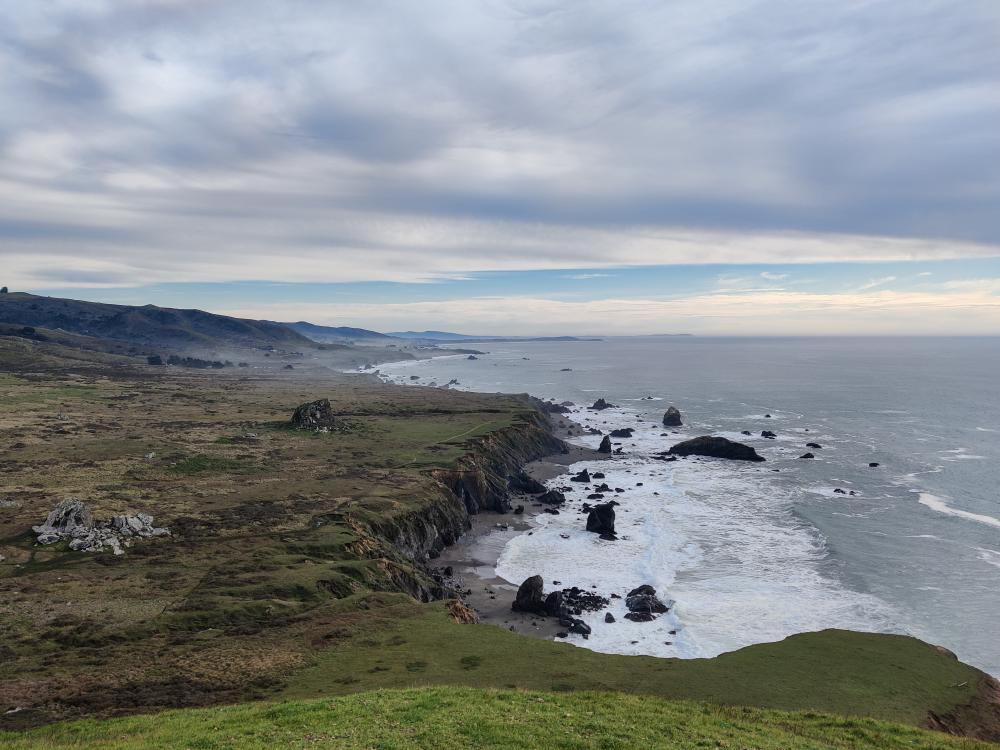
{"x": 529, "y": 596}
{"x": 315, "y": 415}
{"x": 715, "y": 447}
{"x": 552, "y": 497}
{"x": 554, "y": 604}
{"x": 624, "y": 432}
{"x": 672, "y": 417}
{"x": 583, "y": 476}
{"x": 601, "y": 519}
{"x": 601, "y": 405}
{"x": 605, "y": 446}
{"x": 768, "y": 434}
{"x": 522, "y": 482}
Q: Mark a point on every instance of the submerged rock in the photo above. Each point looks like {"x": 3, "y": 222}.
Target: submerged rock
{"x": 672, "y": 417}
{"x": 315, "y": 415}
{"x": 715, "y": 447}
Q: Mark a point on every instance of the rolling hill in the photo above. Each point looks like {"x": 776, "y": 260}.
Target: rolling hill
{"x": 147, "y": 325}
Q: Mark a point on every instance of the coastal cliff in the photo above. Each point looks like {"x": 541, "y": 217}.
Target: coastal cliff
{"x": 478, "y": 481}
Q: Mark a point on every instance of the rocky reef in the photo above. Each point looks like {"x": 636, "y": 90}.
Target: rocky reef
{"x": 715, "y": 447}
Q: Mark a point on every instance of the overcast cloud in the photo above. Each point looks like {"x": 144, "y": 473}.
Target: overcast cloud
{"x": 211, "y": 140}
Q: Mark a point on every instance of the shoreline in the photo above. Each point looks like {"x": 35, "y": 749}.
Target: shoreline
{"x": 474, "y": 557}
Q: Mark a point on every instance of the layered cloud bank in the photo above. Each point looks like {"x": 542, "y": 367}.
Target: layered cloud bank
{"x": 973, "y": 309}
{"x": 155, "y": 141}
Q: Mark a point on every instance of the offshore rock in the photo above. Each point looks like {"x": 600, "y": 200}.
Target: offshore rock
{"x": 672, "y": 417}
{"x": 605, "y": 446}
{"x": 601, "y": 519}
{"x": 715, "y": 447}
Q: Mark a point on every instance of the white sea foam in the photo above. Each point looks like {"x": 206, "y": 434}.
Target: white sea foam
{"x": 989, "y": 556}
{"x": 715, "y": 536}
{"x": 941, "y": 506}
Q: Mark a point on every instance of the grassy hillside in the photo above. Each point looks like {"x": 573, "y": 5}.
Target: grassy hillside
{"x": 445, "y": 718}
{"x": 147, "y": 324}
{"x": 290, "y": 571}
{"x": 836, "y": 671}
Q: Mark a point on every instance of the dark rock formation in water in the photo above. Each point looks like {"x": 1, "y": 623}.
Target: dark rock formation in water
{"x": 643, "y": 604}
{"x": 814, "y": 446}
{"x": 605, "y": 446}
{"x": 624, "y": 432}
{"x": 672, "y": 417}
{"x": 715, "y": 447}
{"x": 583, "y": 476}
{"x": 601, "y": 405}
{"x": 768, "y": 434}
{"x": 316, "y": 416}
{"x": 601, "y": 520}
{"x": 807, "y": 455}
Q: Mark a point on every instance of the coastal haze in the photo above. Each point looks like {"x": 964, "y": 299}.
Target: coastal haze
{"x": 751, "y": 554}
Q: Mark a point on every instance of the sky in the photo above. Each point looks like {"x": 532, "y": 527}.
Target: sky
{"x": 510, "y": 166}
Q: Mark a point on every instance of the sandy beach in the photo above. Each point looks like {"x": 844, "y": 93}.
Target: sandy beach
{"x": 474, "y": 557}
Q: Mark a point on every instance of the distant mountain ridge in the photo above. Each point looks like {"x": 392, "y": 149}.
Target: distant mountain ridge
{"x": 448, "y": 336}
{"x": 335, "y": 334}
{"x": 147, "y": 324}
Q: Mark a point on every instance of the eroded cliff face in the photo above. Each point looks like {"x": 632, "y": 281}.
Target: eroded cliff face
{"x": 480, "y": 479}
{"x": 478, "y": 482}
{"x": 406, "y": 540}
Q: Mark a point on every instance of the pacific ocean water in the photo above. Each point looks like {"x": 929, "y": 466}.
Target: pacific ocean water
{"x": 749, "y": 554}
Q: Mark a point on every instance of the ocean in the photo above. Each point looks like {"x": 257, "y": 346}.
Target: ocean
{"x": 750, "y": 552}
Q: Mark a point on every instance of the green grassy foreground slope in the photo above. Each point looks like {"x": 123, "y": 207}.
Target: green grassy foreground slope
{"x": 444, "y": 718}
{"x": 835, "y": 671}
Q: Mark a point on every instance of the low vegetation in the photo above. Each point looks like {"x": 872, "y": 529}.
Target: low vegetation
{"x": 453, "y": 718}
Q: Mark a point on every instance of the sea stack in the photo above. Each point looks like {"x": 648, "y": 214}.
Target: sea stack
{"x": 605, "y": 446}
{"x": 601, "y": 520}
{"x": 672, "y": 417}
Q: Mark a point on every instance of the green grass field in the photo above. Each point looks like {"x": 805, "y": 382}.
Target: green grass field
{"x": 894, "y": 678}
{"x": 445, "y": 718}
